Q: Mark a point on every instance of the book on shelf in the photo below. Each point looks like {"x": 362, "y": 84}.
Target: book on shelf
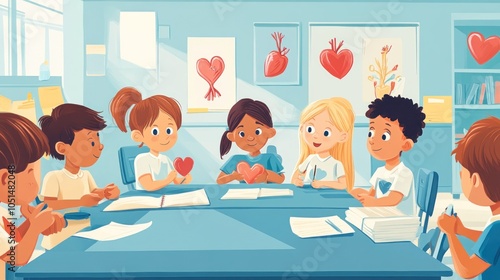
{"x": 384, "y": 224}
{"x": 459, "y": 95}
{"x": 481, "y": 95}
{"x": 497, "y": 92}
{"x": 490, "y": 89}
{"x": 472, "y": 95}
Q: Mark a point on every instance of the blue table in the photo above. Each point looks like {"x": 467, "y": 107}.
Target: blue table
{"x": 303, "y": 197}
{"x": 229, "y": 243}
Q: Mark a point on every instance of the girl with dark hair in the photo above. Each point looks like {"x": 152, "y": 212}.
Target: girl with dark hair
{"x": 250, "y": 126}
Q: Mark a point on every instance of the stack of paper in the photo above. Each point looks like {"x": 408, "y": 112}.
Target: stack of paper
{"x": 384, "y": 224}
{"x": 254, "y": 193}
{"x": 193, "y": 198}
{"x": 113, "y": 231}
{"x": 315, "y": 227}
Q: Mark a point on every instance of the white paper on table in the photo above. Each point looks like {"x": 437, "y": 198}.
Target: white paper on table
{"x": 113, "y": 231}
{"x": 242, "y": 194}
{"x": 268, "y": 192}
{"x": 315, "y": 227}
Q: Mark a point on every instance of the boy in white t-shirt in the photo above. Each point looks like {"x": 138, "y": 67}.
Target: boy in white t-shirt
{"x": 73, "y": 133}
{"x": 22, "y": 144}
{"x": 395, "y": 124}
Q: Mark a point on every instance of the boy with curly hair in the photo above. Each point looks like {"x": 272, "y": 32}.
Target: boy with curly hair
{"x": 395, "y": 124}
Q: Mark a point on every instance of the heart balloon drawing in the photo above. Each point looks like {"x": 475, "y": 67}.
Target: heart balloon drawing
{"x": 276, "y": 61}
{"x": 483, "y": 50}
{"x": 183, "y": 166}
{"x": 337, "y": 63}
{"x": 249, "y": 174}
{"x": 211, "y": 71}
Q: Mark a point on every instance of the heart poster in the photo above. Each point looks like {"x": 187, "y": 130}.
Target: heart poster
{"x": 211, "y": 74}
{"x": 276, "y": 54}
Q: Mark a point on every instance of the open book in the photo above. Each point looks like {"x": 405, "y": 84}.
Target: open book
{"x": 315, "y": 227}
{"x": 194, "y": 198}
{"x": 254, "y": 193}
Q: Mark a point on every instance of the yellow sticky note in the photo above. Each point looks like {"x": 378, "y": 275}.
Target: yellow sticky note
{"x": 5, "y": 104}
{"x": 438, "y": 109}
{"x": 50, "y": 97}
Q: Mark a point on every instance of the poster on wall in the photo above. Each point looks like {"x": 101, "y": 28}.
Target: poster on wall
{"x": 211, "y": 74}
{"x": 382, "y": 68}
{"x": 277, "y": 54}
{"x": 349, "y": 60}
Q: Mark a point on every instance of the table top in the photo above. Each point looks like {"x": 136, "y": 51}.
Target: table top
{"x": 306, "y": 197}
{"x": 229, "y": 242}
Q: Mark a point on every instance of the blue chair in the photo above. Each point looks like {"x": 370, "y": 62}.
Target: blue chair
{"x": 426, "y": 188}
{"x": 272, "y": 150}
{"x": 126, "y": 157}
{"x": 429, "y": 241}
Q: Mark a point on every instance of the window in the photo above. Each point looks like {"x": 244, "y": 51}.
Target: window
{"x": 39, "y": 35}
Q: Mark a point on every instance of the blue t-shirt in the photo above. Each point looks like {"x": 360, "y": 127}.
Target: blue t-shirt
{"x": 269, "y": 161}
{"x": 488, "y": 249}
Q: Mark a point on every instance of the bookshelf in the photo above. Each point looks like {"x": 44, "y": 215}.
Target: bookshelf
{"x": 475, "y": 87}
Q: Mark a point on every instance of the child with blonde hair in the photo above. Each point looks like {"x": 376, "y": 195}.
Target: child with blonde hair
{"x": 325, "y": 135}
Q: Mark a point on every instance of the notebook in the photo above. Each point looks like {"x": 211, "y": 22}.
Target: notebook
{"x": 113, "y": 231}
{"x": 255, "y": 193}
{"x": 193, "y": 198}
{"x": 316, "y": 227}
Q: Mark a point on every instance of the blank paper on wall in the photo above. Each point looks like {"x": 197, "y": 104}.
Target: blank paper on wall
{"x": 138, "y": 38}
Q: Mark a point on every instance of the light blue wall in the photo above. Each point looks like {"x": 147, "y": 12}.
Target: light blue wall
{"x": 235, "y": 19}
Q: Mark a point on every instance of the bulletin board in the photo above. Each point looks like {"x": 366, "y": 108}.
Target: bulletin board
{"x": 363, "y": 61}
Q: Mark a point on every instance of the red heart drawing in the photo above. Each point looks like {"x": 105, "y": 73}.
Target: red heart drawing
{"x": 210, "y": 71}
{"x": 483, "y": 50}
{"x": 183, "y": 166}
{"x": 276, "y": 61}
{"x": 337, "y": 63}
{"x": 249, "y": 174}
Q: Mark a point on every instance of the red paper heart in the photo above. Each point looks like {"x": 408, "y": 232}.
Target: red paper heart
{"x": 337, "y": 63}
{"x": 276, "y": 61}
{"x": 249, "y": 174}
{"x": 183, "y": 166}
{"x": 210, "y": 72}
{"x": 483, "y": 50}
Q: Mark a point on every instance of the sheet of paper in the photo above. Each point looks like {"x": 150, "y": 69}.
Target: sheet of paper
{"x": 315, "y": 227}
{"x": 268, "y": 192}
{"x": 242, "y": 194}
{"x": 25, "y": 108}
{"x": 50, "y": 97}
{"x": 138, "y": 43}
{"x": 5, "y": 104}
{"x": 134, "y": 202}
{"x": 194, "y": 198}
{"x": 113, "y": 231}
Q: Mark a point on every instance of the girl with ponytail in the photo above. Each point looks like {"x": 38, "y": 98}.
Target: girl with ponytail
{"x": 325, "y": 136}
{"x": 154, "y": 122}
{"x": 250, "y": 126}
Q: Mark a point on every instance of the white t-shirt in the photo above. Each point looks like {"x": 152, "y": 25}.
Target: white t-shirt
{"x": 399, "y": 179}
{"x": 327, "y": 169}
{"x": 158, "y": 166}
{"x": 65, "y": 185}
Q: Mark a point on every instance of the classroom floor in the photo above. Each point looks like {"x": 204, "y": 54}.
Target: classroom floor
{"x": 472, "y": 216}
